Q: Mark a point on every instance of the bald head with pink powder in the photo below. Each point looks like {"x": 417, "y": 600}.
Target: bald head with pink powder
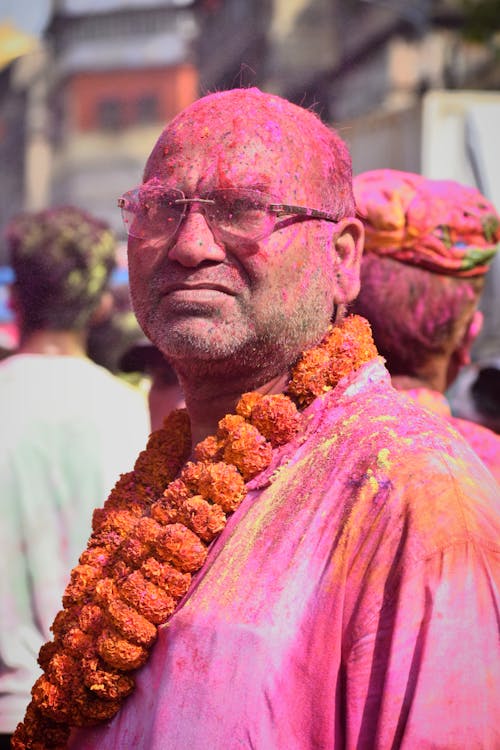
{"x": 240, "y": 128}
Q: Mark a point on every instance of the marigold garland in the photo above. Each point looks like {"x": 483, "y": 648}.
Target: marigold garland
{"x": 153, "y": 533}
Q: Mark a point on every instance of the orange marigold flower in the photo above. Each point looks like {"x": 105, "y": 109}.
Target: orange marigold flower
{"x": 205, "y": 519}
{"x": 350, "y": 345}
{"x": 222, "y": 484}
{"x": 164, "y": 510}
{"x": 246, "y": 403}
{"x": 248, "y": 450}
{"x": 81, "y": 585}
{"x": 276, "y": 417}
{"x": 229, "y": 424}
{"x": 120, "y": 653}
{"x": 179, "y": 546}
{"x": 46, "y": 652}
{"x": 105, "y": 590}
{"x": 98, "y": 557}
{"x": 132, "y": 553}
{"x": 129, "y": 493}
{"x": 166, "y": 577}
{"x": 310, "y": 376}
{"x": 51, "y": 700}
{"x": 112, "y": 519}
{"x": 120, "y": 570}
{"x": 149, "y": 600}
{"x": 38, "y": 732}
{"x": 154, "y": 469}
{"x": 105, "y": 682}
{"x": 130, "y": 624}
{"x": 64, "y": 620}
{"x": 62, "y": 670}
{"x": 94, "y": 710}
{"x": 209, "y": 449}
{"x": 138, "y": 546}
{"x": 190, "y": 477}
{"x": 77, "y": 643}
{"x": 108, "y": 540}
{"x": 91, "y": 619}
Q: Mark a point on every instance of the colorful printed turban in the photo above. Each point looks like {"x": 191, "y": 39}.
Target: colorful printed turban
{"x": 436, "y": 224}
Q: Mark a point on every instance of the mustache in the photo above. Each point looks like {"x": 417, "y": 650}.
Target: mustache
{"x": 206, "y": 275}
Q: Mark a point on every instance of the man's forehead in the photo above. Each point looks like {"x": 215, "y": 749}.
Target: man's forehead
{"x": 252, "y": 140}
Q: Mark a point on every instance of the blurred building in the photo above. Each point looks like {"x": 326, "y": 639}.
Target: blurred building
{"x": 365, "y": 65}
{"x": 118, "y": 71}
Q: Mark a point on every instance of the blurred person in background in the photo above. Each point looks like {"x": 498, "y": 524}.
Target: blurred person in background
{"x": 475, "y": 394}
{"x": 164, "y": 390}
{"x": 68, "y": 429}
{"x": 118, "y": 343}
{"x": 428, "y": 246}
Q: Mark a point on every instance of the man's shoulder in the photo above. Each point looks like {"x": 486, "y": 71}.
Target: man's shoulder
{"x": 391, "y": 459}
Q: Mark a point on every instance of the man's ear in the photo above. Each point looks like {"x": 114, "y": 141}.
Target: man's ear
{"x": 472, "y": 332}
{"x": 348, "y": 244}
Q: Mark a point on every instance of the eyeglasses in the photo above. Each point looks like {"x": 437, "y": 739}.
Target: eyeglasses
{"x": 240, "y": 214}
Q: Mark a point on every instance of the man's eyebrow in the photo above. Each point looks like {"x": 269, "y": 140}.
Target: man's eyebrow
{"x": 261, "y": 187}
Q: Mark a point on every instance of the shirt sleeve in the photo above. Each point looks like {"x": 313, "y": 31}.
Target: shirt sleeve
{"x": 426, "y": 671}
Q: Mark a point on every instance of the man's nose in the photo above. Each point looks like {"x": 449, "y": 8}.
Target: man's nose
{"x": 194, "y": 241}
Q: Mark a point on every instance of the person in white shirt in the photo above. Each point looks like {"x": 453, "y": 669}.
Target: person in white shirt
{"x": 68, "y": 429}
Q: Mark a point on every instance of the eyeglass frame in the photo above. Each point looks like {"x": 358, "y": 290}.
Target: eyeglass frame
{"x": 279, "y": 209}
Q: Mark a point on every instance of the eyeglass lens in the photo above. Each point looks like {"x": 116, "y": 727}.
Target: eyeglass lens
{"x": 230, "y": 213}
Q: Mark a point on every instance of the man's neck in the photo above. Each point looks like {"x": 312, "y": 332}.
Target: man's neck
{"x": 64, "y": 343}
{"x": 207, "y": 405}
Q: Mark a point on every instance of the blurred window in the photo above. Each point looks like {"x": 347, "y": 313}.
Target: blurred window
{"x": 147, "y": 108}
{"x": 110, "y": 114}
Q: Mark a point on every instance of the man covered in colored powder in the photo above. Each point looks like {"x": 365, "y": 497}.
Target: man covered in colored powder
{"x": 428, "y": 245}
{"x": 68, "y": 429}
{"x": 323, "y": 571}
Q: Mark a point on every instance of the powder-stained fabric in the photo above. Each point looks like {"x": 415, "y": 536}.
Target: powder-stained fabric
{"x": 349, "y": 603}
{"x": 485, "y": 443}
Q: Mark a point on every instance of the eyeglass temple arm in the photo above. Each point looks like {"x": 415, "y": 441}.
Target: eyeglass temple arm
{"x": 282, "y": 209}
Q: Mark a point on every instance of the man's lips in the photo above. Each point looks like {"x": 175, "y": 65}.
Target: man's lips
{"x": 199, "y": 287}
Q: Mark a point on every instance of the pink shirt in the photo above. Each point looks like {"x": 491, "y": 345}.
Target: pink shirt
{"x": 349, "y": 603}
{"x": 484, "y": 442}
